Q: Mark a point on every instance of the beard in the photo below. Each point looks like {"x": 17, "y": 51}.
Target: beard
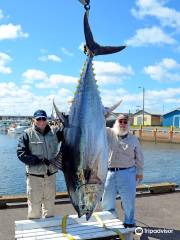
{"x": 121, "y": 131}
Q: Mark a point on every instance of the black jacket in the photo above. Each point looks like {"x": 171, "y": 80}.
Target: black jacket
{"x": 23, "y": 151}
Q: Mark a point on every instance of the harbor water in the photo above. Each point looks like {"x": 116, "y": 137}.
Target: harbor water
{"x": 162, "y": 164}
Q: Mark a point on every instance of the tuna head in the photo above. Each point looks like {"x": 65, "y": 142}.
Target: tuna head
{"x": 86, "y": 197}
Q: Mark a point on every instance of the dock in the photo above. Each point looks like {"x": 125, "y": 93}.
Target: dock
{"x": 155, "y": 212}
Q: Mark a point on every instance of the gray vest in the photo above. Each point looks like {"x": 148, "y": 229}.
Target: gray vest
{"x": 43, "y": 147}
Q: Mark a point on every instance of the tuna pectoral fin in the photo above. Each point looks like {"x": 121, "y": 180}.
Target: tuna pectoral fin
{"x": 57, "y": 161}
{"x": 108, "y": 110}
{"x": 94, "y": 47}
{"x": 60, "y": 115}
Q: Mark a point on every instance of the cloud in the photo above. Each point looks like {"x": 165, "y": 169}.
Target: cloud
{"x": 147, "y": 36}
{"x": 129, "y": 100}
{"x": 109, "y": 97}
{"x": 1, "y": 14}
{"x": 10, "y": 89}
{"x": 64, "y": 92}
{"x": 106, "y": 72}
{"x": 66, "y": 52}
{"x": 4, "y": 60}
{"x": 167, "y": 16}
{"x": 173, "y": 100}
{"x": 168, "y": 70}
{"x": 81, "y": 46}
{"x": 54, "y": 80}
{"x": 163, "y": 94}
{"x": 155, "y": 100}
{"x": 59, "y": 78}
{"x": 50, "y": 57}
{"x": 11, "y": 31}
{"x": 31, "y": 76}
{"x": 26, "y": 87}
{"x": 111, "y": 72}
{"x": 19, "y": 100}
{"x": 163, "y": 100}
{"x": 177, "y": 49}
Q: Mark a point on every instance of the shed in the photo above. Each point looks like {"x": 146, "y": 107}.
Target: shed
{"x": 149, "y": 119}
{"x": 172, "y": 118}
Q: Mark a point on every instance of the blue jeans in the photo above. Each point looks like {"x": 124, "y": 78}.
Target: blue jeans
{"x": 124, "y": 183}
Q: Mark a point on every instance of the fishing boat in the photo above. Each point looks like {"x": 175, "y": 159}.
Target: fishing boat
{"x": 4, "y": 126}
{"x": 18, "y": 128}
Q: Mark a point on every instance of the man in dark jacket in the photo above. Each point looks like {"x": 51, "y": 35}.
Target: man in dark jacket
{"x": 36, "y": 147}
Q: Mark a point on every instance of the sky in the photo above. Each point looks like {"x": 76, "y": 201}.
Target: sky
{"x": 41, "y": 54}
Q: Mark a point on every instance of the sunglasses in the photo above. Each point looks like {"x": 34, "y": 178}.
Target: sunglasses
{"x": 122, "y": 121}
{"x": 41, "y": 119}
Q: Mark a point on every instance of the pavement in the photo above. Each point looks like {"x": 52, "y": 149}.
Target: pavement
{"x": 158, "y": 215}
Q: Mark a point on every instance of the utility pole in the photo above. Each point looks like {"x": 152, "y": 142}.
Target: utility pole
{"x": 143, "y": 103}
{"x": 138, "y": 108}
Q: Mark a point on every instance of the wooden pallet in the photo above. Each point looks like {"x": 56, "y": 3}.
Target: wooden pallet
{"x": 76, "y": 228}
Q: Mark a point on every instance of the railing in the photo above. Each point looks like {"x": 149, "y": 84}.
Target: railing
{"x": 157, "y": 135}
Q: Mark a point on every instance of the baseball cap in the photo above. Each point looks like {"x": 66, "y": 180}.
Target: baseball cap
{"x": 40, "y": 113}
{"x": 123, "y": 116}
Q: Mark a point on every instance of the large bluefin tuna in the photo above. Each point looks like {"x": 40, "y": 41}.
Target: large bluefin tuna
{"x": 84, "y": 149}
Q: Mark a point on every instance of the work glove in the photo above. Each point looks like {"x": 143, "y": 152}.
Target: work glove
{"x": 33, "y": 160}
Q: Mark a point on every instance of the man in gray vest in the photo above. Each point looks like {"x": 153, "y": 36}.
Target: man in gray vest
{"x": 38, "y": 145}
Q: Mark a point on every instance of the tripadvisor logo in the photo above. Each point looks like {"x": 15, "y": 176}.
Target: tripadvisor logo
{"x": 139, "y": 231}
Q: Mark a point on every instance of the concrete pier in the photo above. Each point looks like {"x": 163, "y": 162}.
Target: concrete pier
{"x": 155, "y": 213}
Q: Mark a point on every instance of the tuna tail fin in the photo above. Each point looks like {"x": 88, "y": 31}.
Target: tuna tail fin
{"x": 93, "y": 47}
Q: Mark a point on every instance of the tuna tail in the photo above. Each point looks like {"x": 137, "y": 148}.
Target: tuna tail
{"x": 108, "y": 110}
{"x": 93, "y": 47}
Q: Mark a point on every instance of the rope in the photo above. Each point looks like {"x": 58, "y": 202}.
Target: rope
{"x": 86, "y": 4}
{"x": 63, "y": 226}
{"x": 105, "y": 227}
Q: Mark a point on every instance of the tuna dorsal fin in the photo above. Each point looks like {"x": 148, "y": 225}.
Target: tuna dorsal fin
{"x": 60, "y": 115}
{"x": 94, "y": 47}
{"x": 108, "y": 110}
